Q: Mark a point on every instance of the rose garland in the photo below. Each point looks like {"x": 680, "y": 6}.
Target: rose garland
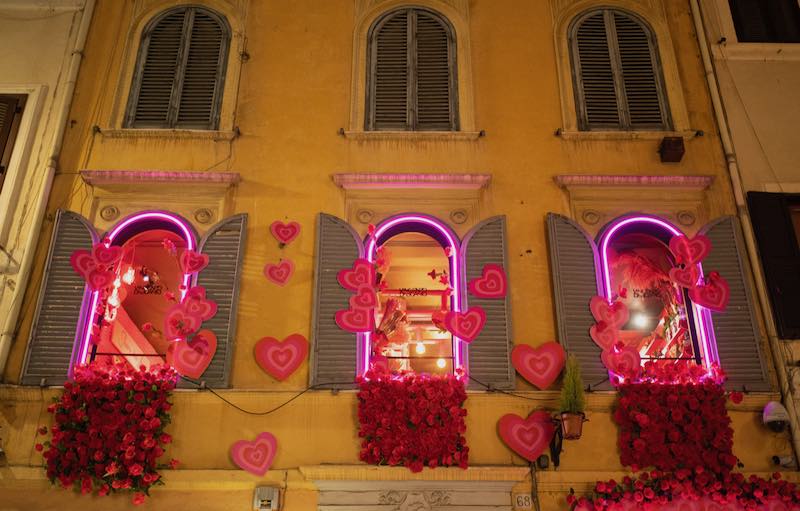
{"x": 109, "y": 430}
{"x": 412, "y": 420}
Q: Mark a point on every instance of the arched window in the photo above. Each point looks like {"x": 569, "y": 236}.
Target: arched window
{"x": 411, "y": 72}
{"x": 616, "y": 73}
{"x": 180, "y": 71}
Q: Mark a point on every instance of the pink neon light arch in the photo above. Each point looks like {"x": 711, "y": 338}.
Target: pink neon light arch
{"x": 157, "y": 218}
{"x": 701, "y": 316}
{"x": 439, "y": 231}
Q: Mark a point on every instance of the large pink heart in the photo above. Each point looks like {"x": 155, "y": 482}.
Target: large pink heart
{"x": 195, "y": 303}
{"x": 365, "y": 298}
{"x": 614, "y": 315}
{"x": 466, "y": 325}
{"x": 625, "y": 362}
{"x": 355, "y": 320}
{"x": 192, "y": 357}
{"x": 714, "y": 294}
{"x": 491, "y": 283}
{"x": 281, "y": 358}
{"x": 686, "y": 277}
{"x": 98, "y": 279}
{"x": 540, "y": 366}
{"x": 279, "y": 273}
{"x": 256, "y": 456}
{"x": 106, "y": 256}
{"x": 192, "y": 262}
{"x": 361, "y": 274}
{"x": 527, "y": 437}
{"x": 690, "y": 251}
{"x": 604, "y": 335}
{"x": 179, "y": 324}
{"x": 82, "y": 262}
{"x": 284, "y": 233}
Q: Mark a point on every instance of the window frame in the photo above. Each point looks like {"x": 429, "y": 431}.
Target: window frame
{"x": 615, "y": 60}
{"x": 411, "y": 83}
{"x": 175, "y": 95}
{"x": 773, "y": 37}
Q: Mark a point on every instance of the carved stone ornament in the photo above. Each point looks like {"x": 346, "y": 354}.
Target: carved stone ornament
{"x": 109, "y": 213}
{"x": 203, "y": 215}
{"x": 364, "y": 216}
{"x": 414, "y": 500}
{"x": 459, "y": 216}
{"x": 686, "y": 217}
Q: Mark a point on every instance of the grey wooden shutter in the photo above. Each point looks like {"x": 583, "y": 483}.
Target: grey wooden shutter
{"x": 333, "y": 357}
{"x": 224, "y": 244}
{"x": 575, "y": 281}
{"x": 435, "y": 78}
{"x": 489, "y": 353}
{"x": 180, "y": 71}
{"x": 54, "y": 339}
{"x": 736, "y": 330}
{"x": 389, "y": 72}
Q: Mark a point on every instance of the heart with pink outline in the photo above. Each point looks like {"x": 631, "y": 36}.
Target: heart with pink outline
{"x": 255, "y": 456}
{"x": 192, "y": 262}
{"x": 281, "y": 358}
{"x": 466, "y": 325}
{"x": 361, "y": 274}
{"x": 279, "y": 273}
{"x": 192, "y": 357}
{"x": 284, "y": 233}
{"x": 527, "y": 437}
{"x": 491, "y": 284}
{"x": 541, "y": 365}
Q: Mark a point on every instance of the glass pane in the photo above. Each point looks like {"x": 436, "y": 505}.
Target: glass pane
{"x": 794, "y": 211}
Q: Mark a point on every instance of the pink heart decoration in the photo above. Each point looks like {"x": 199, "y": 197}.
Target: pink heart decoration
{"x": 614, "y": 315}
{"x": 106, "y": 255}
{"x": 361, "y": 274}
{"x": 540, "y": 366}
{"x": 690, "y": 251}
{"x": 82, "y": 262}
{"x": 192, "y": 357}
{"x": 603, "y": 335}
{"x": 279, "y": 273}
{"x": 355, "y": 320}
{"x": 625, "y": 362}
{"x": 686, "y": 277}
{"x": 466, "y": 325}
{"x": 527, "y": 437}
{"x": 365, "y": 298}
{"x": 714, "y": 294}
{"x": 281, "y": 358}
{"x": 284, "y": 233}
{"x": 491, "y": 283}
{"x": 98, "y": 279}
{"x": 192, "y": 262}
{"x": 178, "y": 323}
{"x": 256, "y": 456}
{"x": 195, "y": 303}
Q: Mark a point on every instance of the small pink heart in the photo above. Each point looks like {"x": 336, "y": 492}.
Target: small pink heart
{"x": 284, "y": 233}
{"x": 690, "y": 251}
{"x": 195, "y": 303}
{"x": 106, "y": 256}
{"x": 686, "y": 277}
{"x": 625, "y": 362}
{"x": 99, "y": 279}
{"x": 466, "y": 325}
{"x": 604, "y": 335}
{"x": 365, "y": 298}
{"x": 256, "y": 456}
{"x": 192, "y": 357}
{"x": 614, "y": 315}
{"x": 279, "y": 273}
{"x": 527, "y": 437}
{"x": 540, "y": 366}
{"x": 82, "y": 262}
{"x": 281, "y": 358}
{"x": 491, "y": 283}
{"x": 361, "y": 274}
{"x": 355, "y": 320}
{"x": 714, "y": 294}
{"x": 192, "y": 262}
{"x": 179, "y": 324}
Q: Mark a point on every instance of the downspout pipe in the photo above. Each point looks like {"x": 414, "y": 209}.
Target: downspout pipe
{"x": 32, "y": 238}
{"x": 741, "y": 206}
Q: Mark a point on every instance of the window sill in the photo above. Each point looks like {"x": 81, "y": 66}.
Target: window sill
{"x": 758, "y": 51}
{"x": 422, "y": 136}
{"x": 624, "y": 135}
{"x": 180, "y": 134}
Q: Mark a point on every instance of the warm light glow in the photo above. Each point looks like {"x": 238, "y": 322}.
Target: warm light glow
{"x": 130, "y": 274}
{"x": 420, "y": 348}
{"x": 641, "y": 321}
{"x": 113, "y": 300}
{"x": 440, "y": 363}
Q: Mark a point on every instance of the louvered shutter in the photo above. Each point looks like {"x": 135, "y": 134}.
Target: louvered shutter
{"x": 594, "y": 76}
{"x": 224, "y": 245}
{"x": 489, "y": 353}
{"x": 435, "y": 75}
{"x": 575, "y": 281}
{"x": 736, "y": 330}
{"x": 333, "y": 357}
{"x": 780, "y": 257}
{"x": 59, "y": 310}
{"x": 390, "y": 75}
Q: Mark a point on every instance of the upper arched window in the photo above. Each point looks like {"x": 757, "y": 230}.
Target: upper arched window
{"x": 616, "y": 73}
{"x": 411, "y": 73}
{"x": 180, "y": 71}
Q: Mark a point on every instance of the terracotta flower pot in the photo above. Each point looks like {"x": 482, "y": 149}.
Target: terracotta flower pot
{"x": 572, "y": 425}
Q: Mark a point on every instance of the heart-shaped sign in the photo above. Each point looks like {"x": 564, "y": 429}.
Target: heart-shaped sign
{"x": 690, "y": 251}
{"x": 279, "y": 273}
{"x": 686, "y": 277}
{"x": 714, "y": 294}
{"x": 624, "y": 362}
{"x": 106, "y": 256}
{"x": 614, "y": 315}
{"x": 99, "y": 279}
{"x": 365, "y": 298}
{"x": 361, "y": 274}
{"x": 540, "y": 366}
{"x": 256, "y": 456}
{"x": 491, "y": 283}
{"x": 284, "y": 233}
{"x": 179, "y": 324}
{"x": 281, "y": 358}
{"x": 82, "y": 262}
{"x": 466, "y": 325}
{"x": 192, "y": 357}
{"x": 527, "y": 437}
{"x": 604, "y": 335}
{"x": 355, "y": 320}
{"x": 195, "y": 303}
{"x": 192, "y": 262}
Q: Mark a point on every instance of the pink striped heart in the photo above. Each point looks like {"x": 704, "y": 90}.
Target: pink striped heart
{"x": 281, "y": 358}
{"x": 256, "y": 456}
{"x": 284, "y": 233}
{"x": 540, "y": 366}
{"x": 466, "y": 325}
{"x": 527, "y": 437}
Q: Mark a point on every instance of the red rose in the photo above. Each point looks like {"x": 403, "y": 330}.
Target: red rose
{"x": 139, "y": 498}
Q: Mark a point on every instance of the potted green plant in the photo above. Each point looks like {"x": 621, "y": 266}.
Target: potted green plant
{"x": 573, "y": 402}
